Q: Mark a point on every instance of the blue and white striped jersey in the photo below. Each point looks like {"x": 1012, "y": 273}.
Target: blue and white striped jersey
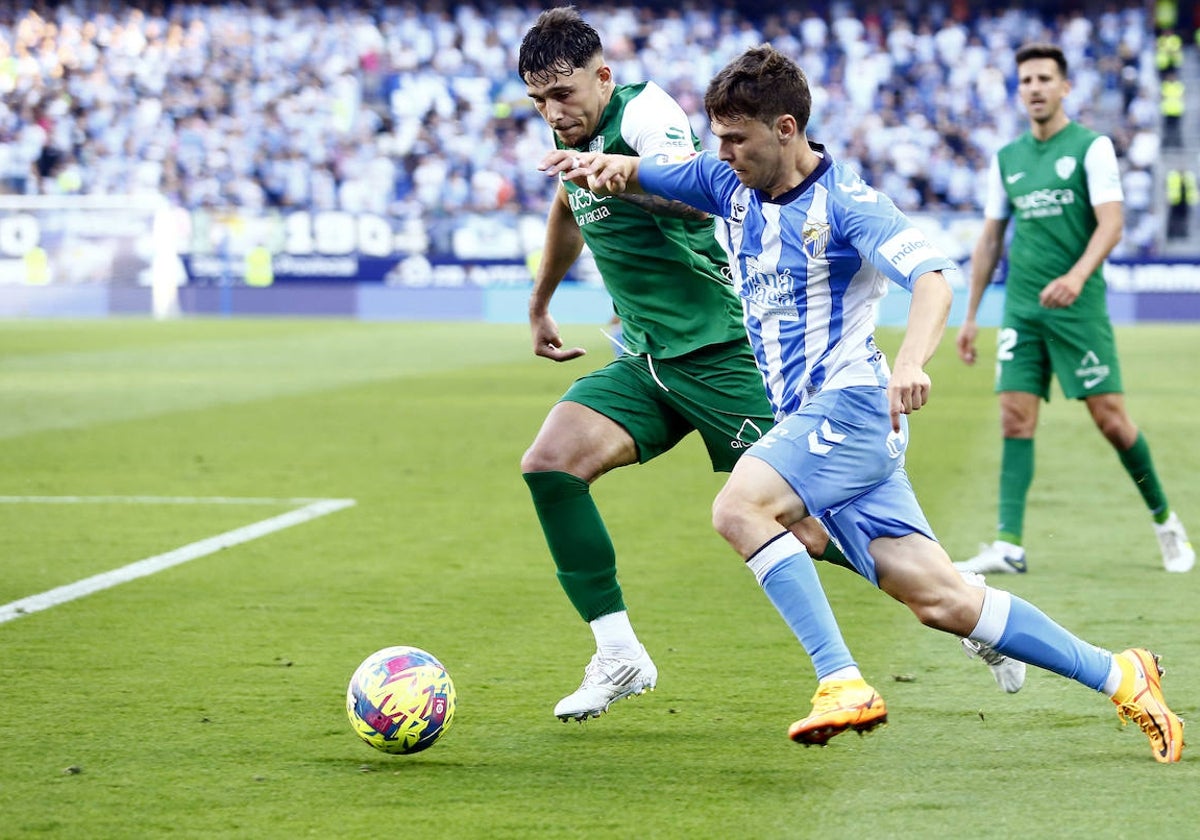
{"x": 810, "y": 267}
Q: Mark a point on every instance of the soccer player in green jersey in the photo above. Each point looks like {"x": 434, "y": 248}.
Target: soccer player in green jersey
{"x": 1061, "y": 183}
{"x": 685, "y": 364}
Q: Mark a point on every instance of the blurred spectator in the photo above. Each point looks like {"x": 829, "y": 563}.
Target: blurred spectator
{"x": 416, "y": 106}
{"x": 1168, "y": 50}
{"x": 1172, "y": 104}
{"x": 1182, "y": 196}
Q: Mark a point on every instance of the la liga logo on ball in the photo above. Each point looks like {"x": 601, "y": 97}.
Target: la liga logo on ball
{"x": 400, "y": 700}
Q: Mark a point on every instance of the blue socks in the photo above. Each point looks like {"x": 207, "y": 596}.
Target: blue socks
{"x": 786, "y": 573}
{"x": 1018, "y": 629}
{"x": 1010, "y": 624}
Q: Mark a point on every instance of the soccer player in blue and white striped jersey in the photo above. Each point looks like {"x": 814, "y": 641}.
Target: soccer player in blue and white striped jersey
{"x": 812, "y": 248}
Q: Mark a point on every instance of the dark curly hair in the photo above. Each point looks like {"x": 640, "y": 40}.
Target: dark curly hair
{"x": 558, "y": 42}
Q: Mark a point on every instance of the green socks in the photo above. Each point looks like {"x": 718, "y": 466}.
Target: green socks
{"x": 833, "y": 554}
{"x": 578, "y": 541}
{"x": 1016, "y": 474}
{"x": 1140, "y": 466}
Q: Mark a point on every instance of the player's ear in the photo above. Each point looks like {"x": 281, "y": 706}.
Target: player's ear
{"x": 785, "y": 128}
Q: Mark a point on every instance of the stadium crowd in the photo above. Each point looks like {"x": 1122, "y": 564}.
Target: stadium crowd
{"x": 415, "y": 108}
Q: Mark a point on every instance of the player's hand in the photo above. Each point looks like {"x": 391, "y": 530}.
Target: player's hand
{"x": 600, "y": 173}
{"x": 908, "y": 390}
{"x": 1060, "y": 292}
{"x": 548, "y": 343}
{"x": 965, "y": 342}
{"x": 567, "y": 164}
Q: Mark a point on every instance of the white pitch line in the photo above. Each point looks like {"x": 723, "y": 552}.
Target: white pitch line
{"x": 152, "y": 500}
{"x": 150, "y": 565}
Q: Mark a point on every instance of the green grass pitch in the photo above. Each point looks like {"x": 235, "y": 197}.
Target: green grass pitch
{"x": 206, "y": 700}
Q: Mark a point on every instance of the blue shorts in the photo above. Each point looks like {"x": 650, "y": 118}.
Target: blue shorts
{"x": 842, "y": 458}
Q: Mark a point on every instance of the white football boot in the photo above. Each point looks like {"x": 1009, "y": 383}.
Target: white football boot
{"x": 1009, "y": 672}
{"x": 998, "y": 558}
{"x": 1177, "y": 553}
{"x": 606, "y": 679}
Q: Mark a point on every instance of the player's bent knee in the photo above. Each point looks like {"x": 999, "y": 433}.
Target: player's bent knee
{"x": 931, "y": 615}
{"x": 722, "y": 518}
{"x": 730, "y": 515}
{"x": 947, "y": 612}
{"x": 535, "y": 460}
{"x": 1118, "y": 431}
{"x": 555, "y": 453}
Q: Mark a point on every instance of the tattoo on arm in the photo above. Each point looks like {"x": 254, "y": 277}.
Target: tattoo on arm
{"x": 660, "y": 206}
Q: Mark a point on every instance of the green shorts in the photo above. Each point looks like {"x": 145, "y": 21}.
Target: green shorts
{"x": 716, "y": 390}
{"x": 1082, "y": 353}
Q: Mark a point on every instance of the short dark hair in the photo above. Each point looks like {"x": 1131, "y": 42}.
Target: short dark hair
{"x": 1029, "y": 52}
{"x": 760, "y": 84}
{"x": 558, "y": 42}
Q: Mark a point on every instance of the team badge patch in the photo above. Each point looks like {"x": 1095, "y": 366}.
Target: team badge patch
{"x": 815, "y": 239}
{"x": 1064, "y": 166}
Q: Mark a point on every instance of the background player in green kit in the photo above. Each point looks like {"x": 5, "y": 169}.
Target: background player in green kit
{"x": 686, "y": 366}
{"x": 1061, "y": 183}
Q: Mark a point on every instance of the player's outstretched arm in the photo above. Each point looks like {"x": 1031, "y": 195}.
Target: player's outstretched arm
{"x": 608, "y": 174}
{"x": 659, "y": 206}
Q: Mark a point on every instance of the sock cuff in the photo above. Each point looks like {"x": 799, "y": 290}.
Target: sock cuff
{"x": 553, "y": 485}
{"x": 772, "y": 553}
{"x": 1119, "y": 671}
{"x": 614, "y": 634}
{"x": 993, "y": 618}
{"x": 1138, "y": 450}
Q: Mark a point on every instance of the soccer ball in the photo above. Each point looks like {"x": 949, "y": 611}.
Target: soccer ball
{"x": 400, "y": 700}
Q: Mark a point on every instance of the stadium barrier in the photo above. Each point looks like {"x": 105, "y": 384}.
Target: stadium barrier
{"x": 573, "y": 303}
{"x": 92, "y": 257}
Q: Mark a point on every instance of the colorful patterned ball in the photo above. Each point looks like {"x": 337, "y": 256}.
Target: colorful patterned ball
{"x": 400, "y": 700}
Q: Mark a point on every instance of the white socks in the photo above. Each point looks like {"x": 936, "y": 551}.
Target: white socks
{"x": 614, "y": 636}
{"x": 994, "y": 616}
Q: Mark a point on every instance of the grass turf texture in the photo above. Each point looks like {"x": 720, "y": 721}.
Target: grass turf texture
{"x": 207, "y": 700}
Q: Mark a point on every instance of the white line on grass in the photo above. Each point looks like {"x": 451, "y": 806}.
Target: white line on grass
{"x": 153, "y": 500}
{"x": 150, "y": 565}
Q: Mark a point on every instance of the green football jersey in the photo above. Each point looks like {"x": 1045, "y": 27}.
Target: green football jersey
{"x": 668, "y": 277}
{"x": 1050, "y": 197}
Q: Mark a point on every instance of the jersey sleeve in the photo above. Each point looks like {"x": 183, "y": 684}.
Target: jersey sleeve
{"x": 883, "y": 235}
{"x": 696, "y": 178}
{"x": 996, "y": 205}
{"x": 1103, "y": 172}
{"x": 654, "y": 124}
